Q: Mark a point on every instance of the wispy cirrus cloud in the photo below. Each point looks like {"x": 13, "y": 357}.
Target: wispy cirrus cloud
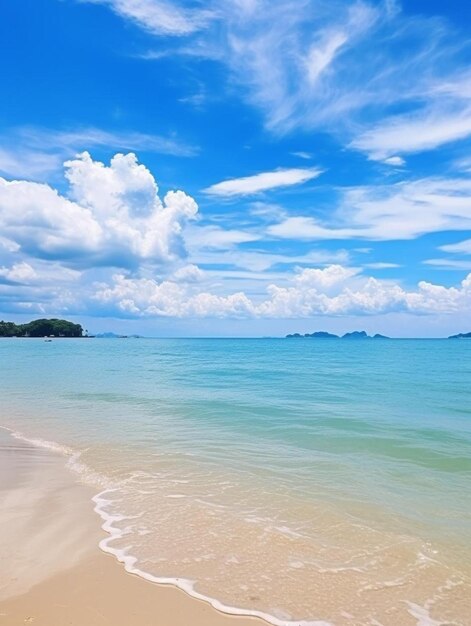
{"x": 28, "y": 163}
{"x": 264, "y": 181}
{"x": 77, "y": 138}
{"x": 403, "y": 210}
{"x": 462, "y": 247}
{"x": 34, "y": 152}
{"x": 331, "y": 65}
{"x": 160, "y": 18}
{"x": 449, "y": 264}
{"x": 292, "y": 66}
{"x": 414, "y": 133}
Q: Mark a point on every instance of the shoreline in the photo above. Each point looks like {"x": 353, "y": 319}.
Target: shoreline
{"x": 60, "y": 577}
{"x": 57, "y": 575}
{"x": 94, "y": 502}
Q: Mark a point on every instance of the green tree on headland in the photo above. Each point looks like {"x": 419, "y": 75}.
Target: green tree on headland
{"x": 41, "y": 328}
{"x": 8, "y": 329}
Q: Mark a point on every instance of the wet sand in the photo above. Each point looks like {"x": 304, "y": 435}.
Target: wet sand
{"x": 51, "y": 570}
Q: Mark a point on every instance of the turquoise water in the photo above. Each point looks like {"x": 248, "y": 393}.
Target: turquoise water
{"x": 353, "y": 449}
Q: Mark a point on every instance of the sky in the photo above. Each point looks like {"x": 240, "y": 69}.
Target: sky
{"x": 237, "y": 168}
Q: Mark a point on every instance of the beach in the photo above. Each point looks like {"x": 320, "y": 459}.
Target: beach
{"x": 217, "y": 482}
{"x": 56, "y": 574}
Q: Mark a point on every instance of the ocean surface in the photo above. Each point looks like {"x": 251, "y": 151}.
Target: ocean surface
{"x": 308, "y": 481}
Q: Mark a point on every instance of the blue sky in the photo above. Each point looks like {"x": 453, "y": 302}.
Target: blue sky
{"x": 236, "y": 168}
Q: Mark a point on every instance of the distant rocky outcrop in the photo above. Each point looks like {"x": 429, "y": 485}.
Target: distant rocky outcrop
{"x": 460, "y": 336}
{"x": 356, "y": 334}
{"x": 316, "y": 335}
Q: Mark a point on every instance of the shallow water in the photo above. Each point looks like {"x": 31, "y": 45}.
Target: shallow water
{"x": 307, "y": 480}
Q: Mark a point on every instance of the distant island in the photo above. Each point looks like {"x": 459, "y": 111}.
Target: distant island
{"x": 356, "y": 334}
{"x": 41, "y": 328}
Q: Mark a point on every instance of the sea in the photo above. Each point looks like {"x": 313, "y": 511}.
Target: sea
{"x": 305, "y": 481}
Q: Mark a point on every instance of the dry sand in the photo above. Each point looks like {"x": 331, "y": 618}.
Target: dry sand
{"x": 98, "y": 592}
{"x": 51, "y": 570}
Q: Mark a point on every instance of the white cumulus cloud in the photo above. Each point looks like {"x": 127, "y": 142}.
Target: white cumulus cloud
{"x": 18, "y": 273}
{"x": 113, "y": 215}
{"x": 332, "y": 291}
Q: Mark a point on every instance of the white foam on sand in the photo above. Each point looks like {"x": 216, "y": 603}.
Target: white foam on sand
{"x": 129, "y": 561}
{"x": 40, "y": 443}
{"x": 422, "y": 615}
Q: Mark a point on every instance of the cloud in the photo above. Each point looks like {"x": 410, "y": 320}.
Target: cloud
{"x": 289, "y": 66}
{"x": 113, "y": 215}
{"x": 159, "y": 18}
{"x": 20, "y": 161}
{"x": 33, "y": 153}
{"x": 449, "y": 264}
{"x": 413, "y": 133}
{"x": 321, "y": 54}
{"x": 77, "y": 138}
{"x": 216, "y": 238}
{"x": 463, "y": 247}
{"x": 403, "y": 210}
{"x": 146, "y": 297}
{"x": 39, "y": 287}
{"x": 334, "y": 291}
{"x": 331, "y": 65}
{"x": 39, "y": 273}
{"x": 263, "y": 182}
{"x": 395, "y": 161}
{"x": 307, "y": 156}
{"x": 260, "y": 261}
{"x": 325, "y": 279}
{"x": 381, "y": 265}
{"x": 188, "y": 274}
{"x": 18, "y": 273}
{"x": 361, "y": 295}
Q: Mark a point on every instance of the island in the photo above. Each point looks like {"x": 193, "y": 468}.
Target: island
{"x": 41, "y": 328}
{"x": 460, "y": 336}
{"x": 356, "y": 334}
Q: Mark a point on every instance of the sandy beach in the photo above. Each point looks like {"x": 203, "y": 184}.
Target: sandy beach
{"x": 53, "y": 572}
